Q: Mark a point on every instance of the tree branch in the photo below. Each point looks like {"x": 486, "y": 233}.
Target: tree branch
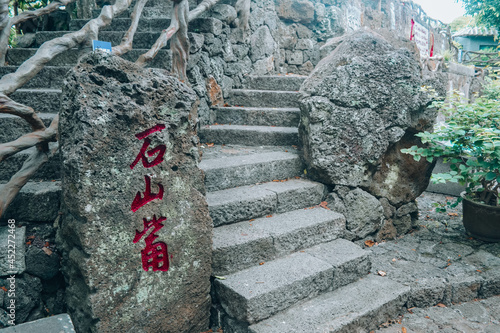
{"x": 50, "y": 49}
{"x": 30, "y": 166}
{"x": 166, "y": 34}
{"x": 9, "y": 106}
{"x": 29, "y": 140}
{"x": 31, "y": 14}
{"x": 180, "y": 41}
{"x": 126, "y": 44}
{"x": 4, "y": 30}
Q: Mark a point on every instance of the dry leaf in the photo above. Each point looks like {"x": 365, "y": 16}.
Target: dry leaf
{"x": 381, "y": 273}
{"x": 269, "y": 215}
{"x": 4, "y": 289}
{"x": 393, "y": 259}
{"x": 261, "y": 263}
{"x": 323, "y": 205}
{"x": 452, "y": 214}
{"x": 441, "y": 305}
{"x": 369, "y": 243}
{"x": 403, "y": 330}
{"x": 47, "y": 251}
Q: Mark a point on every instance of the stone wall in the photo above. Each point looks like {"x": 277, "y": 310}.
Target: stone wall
{"x": 286, "y": 36}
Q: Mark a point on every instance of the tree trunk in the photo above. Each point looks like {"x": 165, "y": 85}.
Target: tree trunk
{"x": 4, "y": 30}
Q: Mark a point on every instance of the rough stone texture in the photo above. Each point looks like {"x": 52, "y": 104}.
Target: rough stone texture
{"x": 364, "y": 213}
{"x": 262, "y": 44}
{"x": 27, "y": 301}
{"x": 44, "y": 265}
{"x": 106, "y": 102}
{"x": 361, "y": 105}
{"x": 297, "y": 11}
{"x": 16, "y": 240}
{"x": 214, "y": 92}
{"x": 61, "y": 324}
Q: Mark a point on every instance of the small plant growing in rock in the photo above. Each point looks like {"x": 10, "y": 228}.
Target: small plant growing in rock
{"x": 470, "y": 142}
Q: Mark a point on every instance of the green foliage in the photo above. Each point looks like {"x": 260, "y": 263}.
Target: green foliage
{"x": 469, "y": 142}
{"x": 461, "y": 22}
{"x": 13, "y": 37}
{"x": 487, "y": 11}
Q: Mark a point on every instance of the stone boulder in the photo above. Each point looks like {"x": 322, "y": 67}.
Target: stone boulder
{"x": 135, "y": 233}
{"x": 361, "y": 105}
{"x": 300, "y": 11}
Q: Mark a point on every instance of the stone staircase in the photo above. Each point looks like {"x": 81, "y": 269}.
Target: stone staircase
{"x": 279, "y": 261}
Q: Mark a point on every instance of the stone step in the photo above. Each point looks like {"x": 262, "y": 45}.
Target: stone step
{"x": 285, "y": 117}
{"x": 51, "y": 77}
{"x": 263, "y": 98}
{"x": 358, "y": 307}
{"x": 123, "y": 24}
{"x": 41, "y": 100}
{"x": 149, "y": 11}
{"x": 248, "y": 202}
{"x": 36, "y": 202}
{"x": 244, "y": 244}
{"x": 249, "y": 135}
{"x": 232, "y": 171}
{"x": 12, "y": 127}
{"x": 48, "y": 172}
{"x": 259, "y": 292}
{"x": 17, "y": 56}
{"x": 274, "y": 82}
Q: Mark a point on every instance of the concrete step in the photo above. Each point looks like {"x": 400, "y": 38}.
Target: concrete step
{"x": 12, "y": 127}
{"x": 249, "y": 135}
{"x": 17, "y": 56}
{"x": 41, "y": 100}
{"x": 60, "y": 323}
{"x": 248, "y": 202}
{"x": 241, "y": 245}
{"x": 149, "y": 11}
{"x": 232, "y": 171}
{"x": 51, "y": 77}
{"x": 358, "y": 307}
{"x": 263, "y": 98}
{"x": 123, "y": 24}
{"x": 48, "y": 172}
{"x": 36, "y": 202}
{"x": 274, "y": 82}
{"x": 259, "y": 292}
{"x": 284, "y": 117}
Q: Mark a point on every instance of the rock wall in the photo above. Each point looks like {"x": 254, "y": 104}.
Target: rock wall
{"x": 135, "y": 233}
{"x": 361, "y": 105}
{"x": 287, "y": 36}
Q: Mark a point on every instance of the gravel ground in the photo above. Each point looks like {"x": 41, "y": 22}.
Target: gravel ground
{"x": 454, "y": 278}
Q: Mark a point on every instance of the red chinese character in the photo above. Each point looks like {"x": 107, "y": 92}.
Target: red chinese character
{"x": 154, "y": 254}
{"x": 142, "y": 154}
{"x": 139, "y": 201}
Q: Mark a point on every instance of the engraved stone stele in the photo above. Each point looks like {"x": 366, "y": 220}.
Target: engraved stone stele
{"x": 112, "y": 112}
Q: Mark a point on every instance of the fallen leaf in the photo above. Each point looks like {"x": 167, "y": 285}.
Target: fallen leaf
{"x": 251, "y": 220}
{"x": 219, "y": 277}
{"x": 47, "y": 251}
{"x": 403, "y": 330}
{"x": 47, "y": 244}
{"x": 452, "y": 214}
{"x": 478, "y": 270}
{"x": 4, "y": 289}
{"x": 210, "y": 145}
{"x": 31, "y": 237}
{"x": 269, "y": 215}
{"x": 410, "y": 310}
{"x": 369, "y": 243}
{"x": 28, "y": 243}
{"x": 323, "y": 205}
{"x": 441, "y": 305}
{"x": 427, "y": 317}
{"x": 261, "y": 263}
{"x": 393, "y": 259}
{"x": 381, "y": 273}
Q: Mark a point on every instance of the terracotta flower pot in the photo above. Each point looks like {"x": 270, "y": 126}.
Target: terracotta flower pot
{"x": 481, "y": 221}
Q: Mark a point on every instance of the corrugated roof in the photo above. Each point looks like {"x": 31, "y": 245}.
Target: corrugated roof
{"x": 476, "y": 31}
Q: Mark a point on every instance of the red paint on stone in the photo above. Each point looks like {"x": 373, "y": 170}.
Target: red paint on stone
{"x": 154, "y": 255}
{"x": 140, "y": 201}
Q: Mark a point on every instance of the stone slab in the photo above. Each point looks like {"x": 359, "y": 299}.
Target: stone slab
{"x": 259, "y": 292}
{"x": 249, "y": 135}
{"x": 12, "y": 243}
{"x": 241, "y": 245}
{"x": 274, "y": 82}
{"x": 248, "y": 202}
{"x": 349, "y": 261}
{"x": 228, "y": 172}
{"x": 41, "y": 100}
{"x": 358, "y": 307}
{"x": 60, "y": 323}
{"x": 263, "y": 98}
{"x": 285, "y": 117}
{"x": 12, "y": 127}
{"x": 36, "y": 202}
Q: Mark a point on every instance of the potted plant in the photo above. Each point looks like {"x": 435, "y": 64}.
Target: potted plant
{"x": 470, "y": 142}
